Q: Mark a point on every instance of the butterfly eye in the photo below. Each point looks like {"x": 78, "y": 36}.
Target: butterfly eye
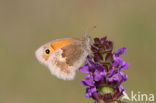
{"x": 47, "y": 51}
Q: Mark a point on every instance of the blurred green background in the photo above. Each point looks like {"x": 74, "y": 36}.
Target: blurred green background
{"x": 27, "y": 24}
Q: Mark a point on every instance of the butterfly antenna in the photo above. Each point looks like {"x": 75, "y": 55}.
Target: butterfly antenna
{"x": 89, "y": 30}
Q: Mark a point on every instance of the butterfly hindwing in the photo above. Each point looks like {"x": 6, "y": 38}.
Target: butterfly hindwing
{"x": 67, "y": 59}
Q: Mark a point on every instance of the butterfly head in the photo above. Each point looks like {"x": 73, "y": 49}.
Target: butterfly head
{"x": 43, "y": 53}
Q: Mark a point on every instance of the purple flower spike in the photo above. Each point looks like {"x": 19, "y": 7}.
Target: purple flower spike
{"x": 104, "y": 70}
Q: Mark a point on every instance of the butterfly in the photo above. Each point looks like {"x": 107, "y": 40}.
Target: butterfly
{"x": 64, "y": 56}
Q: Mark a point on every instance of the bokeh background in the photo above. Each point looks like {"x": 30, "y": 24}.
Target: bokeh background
{"x": 27, "y": 24}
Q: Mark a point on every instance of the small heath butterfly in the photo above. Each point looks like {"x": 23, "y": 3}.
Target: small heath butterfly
{"x": 64, "y": 56}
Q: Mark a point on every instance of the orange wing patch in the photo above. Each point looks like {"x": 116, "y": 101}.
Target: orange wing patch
{"x": 55, "y": 45}
{"x": 60, "y": 43}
